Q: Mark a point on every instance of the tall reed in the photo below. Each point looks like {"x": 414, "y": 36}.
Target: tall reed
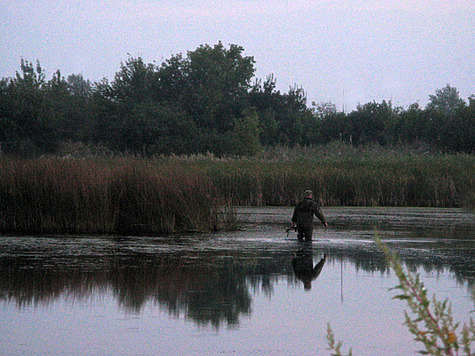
{"x": 167, "y": 194}
{"x": 352, "y": 180}
{"x": 118, "y": 196}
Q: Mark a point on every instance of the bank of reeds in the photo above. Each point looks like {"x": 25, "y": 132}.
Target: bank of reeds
{"x": 352, "y": 179}
{"x": 167, "y": 194}
{"x": 433, "y": 184}
{"x": 116, "y": 196}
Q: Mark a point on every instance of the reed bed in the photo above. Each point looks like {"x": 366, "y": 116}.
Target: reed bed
{"x": 350, "y": 180}
{"x": 116, "y": 196}
{"x": 169, "y": 194}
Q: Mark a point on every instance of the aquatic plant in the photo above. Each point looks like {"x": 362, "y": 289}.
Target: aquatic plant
{"x": 51, "y": 195}
{"x": 166, "y": 194}
{"x": 334, "y": 345}
{"x": 430, "y": 321}
{"x": 364, "y": 179}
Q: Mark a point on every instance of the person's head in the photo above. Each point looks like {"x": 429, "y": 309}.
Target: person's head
{"x": 308, "y": 194}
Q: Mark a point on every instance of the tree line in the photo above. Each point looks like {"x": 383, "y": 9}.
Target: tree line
{"x": 207, "y": 101}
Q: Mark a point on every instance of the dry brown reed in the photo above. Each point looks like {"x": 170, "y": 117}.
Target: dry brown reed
{"x": 52, "y": 195}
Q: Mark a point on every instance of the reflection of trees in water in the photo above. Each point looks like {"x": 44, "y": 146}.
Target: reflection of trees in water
{"x": 35, "y": 286}
{"x": 207, "y": 287}
{"x": 457, "y": 261}
{"x": 206, "y": 291}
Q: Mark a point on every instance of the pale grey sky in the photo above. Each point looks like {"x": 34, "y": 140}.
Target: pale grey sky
{"x": 346, "y": 52}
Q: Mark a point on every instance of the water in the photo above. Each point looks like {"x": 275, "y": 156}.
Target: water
{"x": 232, "y": 292}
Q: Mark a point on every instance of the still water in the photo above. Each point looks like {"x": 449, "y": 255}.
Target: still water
{"x": 239, "y": 292}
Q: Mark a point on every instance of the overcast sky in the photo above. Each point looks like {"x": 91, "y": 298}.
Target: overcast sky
{"x": 346, "y": 52}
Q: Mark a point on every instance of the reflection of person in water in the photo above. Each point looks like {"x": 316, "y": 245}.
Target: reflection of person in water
{"x": 302, "y": 262}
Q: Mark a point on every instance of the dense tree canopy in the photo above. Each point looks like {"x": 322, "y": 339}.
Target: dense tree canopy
{"x": 204, "y": 101}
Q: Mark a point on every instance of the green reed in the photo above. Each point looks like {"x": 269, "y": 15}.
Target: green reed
{"x": 352, "y": 180}
{"x": 52, "y": 195}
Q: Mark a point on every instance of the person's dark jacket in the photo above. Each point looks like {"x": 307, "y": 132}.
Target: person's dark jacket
{"x": 304, "y": 212}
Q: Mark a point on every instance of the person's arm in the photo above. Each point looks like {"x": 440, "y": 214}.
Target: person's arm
{"x": 319, "y": 215}
{"x": 318, "y": 267}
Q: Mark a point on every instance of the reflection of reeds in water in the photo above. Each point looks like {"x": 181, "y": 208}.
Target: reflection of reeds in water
{"x": 120, "y": 196}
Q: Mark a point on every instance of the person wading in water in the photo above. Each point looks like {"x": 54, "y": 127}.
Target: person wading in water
{"x": 303, "y": 216}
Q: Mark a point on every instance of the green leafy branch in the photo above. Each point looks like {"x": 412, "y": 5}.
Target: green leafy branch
{"x": 334, "y": 345}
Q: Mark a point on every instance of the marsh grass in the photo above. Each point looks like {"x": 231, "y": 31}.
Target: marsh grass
{"x": 371, "y": 178}
{"x": 116, "y": 196}
{"x": 196, "y": 193}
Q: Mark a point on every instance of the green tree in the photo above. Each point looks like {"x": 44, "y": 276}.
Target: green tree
{"x": 410, "y": 126}
{"x": 336, "y": 126}
{"x": 291, "y": 119}
{"x": 169, "y": 84}
{"x": 285, "y": 118}
{"x": 268, "y": 103}
{"x": 7, "y": 125}
{"x": 458, "y": 132}
{"x": 246, "y": 134}
{"x": 217, "y": 80}
{"x": 133, "y": 82}
{"x": 323, "y": 109}
{"x": 371, "y": 122}
{"x": 56, "y": 104}
{"x": 333, "y": 125}
{"x": 207, "y": 88}
{"x": 25, "y": 116}
{"x": 79, "y": 112}
{"x": 450, "y": 121}
{"x": 150, "y": 128}
{"x": 446, "y": 100}
{"x": 105, "y": 114}
{"x": 123, "y": 108}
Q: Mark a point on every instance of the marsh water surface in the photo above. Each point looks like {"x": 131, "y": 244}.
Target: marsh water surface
{"x": 242, "y": 292}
